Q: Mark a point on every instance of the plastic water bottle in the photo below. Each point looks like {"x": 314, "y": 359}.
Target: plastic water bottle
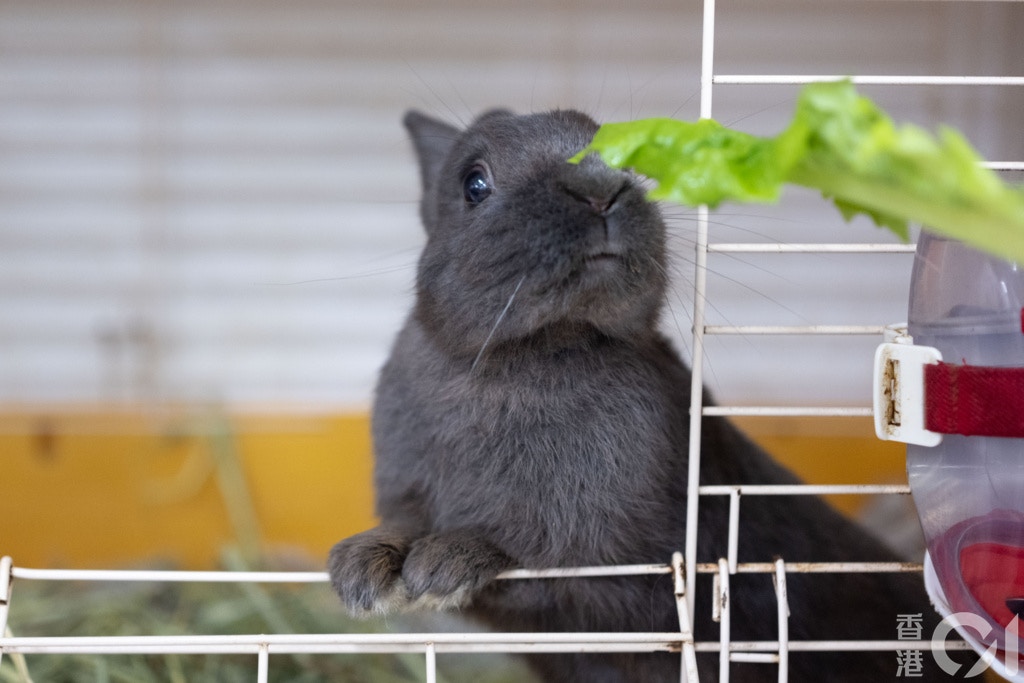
{"x": 969, "y": 490}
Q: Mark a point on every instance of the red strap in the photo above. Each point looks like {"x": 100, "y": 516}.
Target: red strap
{"x": 974, "y": 400}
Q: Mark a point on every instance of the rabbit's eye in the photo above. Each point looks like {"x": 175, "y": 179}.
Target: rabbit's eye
{"x": 476, "y": 187}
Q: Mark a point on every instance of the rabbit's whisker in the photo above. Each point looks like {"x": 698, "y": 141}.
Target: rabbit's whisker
{"x": 501, "y": 316}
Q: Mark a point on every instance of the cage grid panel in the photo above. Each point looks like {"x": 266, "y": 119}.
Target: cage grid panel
{"x": 263, "y": 645}
{"x": 683, "y": 567}
{"x": 703, "y": 246}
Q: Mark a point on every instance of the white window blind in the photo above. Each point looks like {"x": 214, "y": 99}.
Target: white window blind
{"x": 215, "y": 201}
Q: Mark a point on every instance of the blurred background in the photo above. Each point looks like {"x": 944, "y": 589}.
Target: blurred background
{"x": 208, "y": 236}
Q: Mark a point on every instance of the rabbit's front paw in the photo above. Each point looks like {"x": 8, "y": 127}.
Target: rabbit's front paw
{"x": 445, "y": 570}
{"x": 366, "y": 571}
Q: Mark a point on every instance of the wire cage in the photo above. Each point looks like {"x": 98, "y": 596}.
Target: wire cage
{"x": 709, "y": 250}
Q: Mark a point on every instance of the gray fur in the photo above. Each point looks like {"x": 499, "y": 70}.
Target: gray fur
{"x": 531, "y": 415}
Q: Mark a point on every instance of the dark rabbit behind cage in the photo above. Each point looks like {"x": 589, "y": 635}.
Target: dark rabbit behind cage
{"x": 531, "y": 415}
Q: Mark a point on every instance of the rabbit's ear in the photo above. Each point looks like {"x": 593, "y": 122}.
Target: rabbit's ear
{"x": 433, "y": 140}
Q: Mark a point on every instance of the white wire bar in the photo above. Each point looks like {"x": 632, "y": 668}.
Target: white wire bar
{"x": 1005, "y": 165}
{"x": 169, "y": 576}
{"x": 723, "y": 615}
{"x": 733, "y": 536}
{"x": 808, "y": 248}
{"x": 161, "y": 575}
{"x": 348, "y": 643}
{"x": 802, "y": 79}
{"x": 688, "y": 663}
{"x": 578, "y": 572}
{"x": 420, "y": 642}
{"x": 818, "y": 567}
{"x": 700, "y": 279}
{"x": 431, "y": 654}
{"x": 835, "y": 645}
{"x": 804, "y": 489}
{"x": 782, "y": 604}
{"x": 5, "y": 596}
{"x": 263, "y": 663}
{"x": 787, "y": 411}
{"x": 810, "y": 330}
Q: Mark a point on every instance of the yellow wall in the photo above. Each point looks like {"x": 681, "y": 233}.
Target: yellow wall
{"x": 831, "y": 451}
{"x": 117, "y": 487}
{"x": 103, "y": 488}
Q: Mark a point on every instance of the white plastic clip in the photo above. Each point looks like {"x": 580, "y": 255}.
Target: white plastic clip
{"x": 899, "y": 392}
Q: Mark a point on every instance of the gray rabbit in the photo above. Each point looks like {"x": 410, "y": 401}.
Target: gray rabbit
{"x": 532, "y": 415}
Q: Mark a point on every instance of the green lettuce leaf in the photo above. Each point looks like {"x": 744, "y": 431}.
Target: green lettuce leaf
{"x": 841, "y": 144}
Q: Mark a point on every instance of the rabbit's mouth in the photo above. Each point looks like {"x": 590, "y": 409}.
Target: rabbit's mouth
{"x": 601, "y": 264}
{"x": 603, "y": 251}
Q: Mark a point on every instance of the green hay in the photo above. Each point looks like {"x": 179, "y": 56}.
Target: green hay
{"x": 45, "y": 608}
{"x": 40, "y": 608}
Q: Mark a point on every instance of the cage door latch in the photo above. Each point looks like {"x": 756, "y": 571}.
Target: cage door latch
{"x": 918, "y": 398}
{"x": 899, "y": 391}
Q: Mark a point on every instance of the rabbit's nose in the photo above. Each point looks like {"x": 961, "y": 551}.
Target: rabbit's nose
{"x": 600, "y": 202}
{"x": 600, "y": 205}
